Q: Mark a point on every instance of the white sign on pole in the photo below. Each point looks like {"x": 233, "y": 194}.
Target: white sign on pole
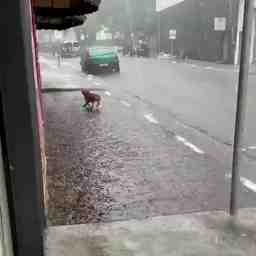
{"x": 172, "y": 34}
{"x": 220, "y": 23}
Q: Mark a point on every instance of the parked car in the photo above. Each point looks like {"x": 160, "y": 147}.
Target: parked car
{"x": 142, "y": 49}
{"x": 98, "y": 58}
{"x": 70, "y": 49}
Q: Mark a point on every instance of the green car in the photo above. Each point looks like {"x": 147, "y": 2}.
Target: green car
{"x": 97, "y": 58}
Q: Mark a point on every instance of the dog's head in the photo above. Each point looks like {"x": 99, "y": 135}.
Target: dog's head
{"x": 85, "y": 91}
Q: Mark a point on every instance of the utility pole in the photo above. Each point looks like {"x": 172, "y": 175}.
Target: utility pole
{"x": 159, "y": 32}
{"x": 241, "y": 104}
{"x": 230, "y": 31}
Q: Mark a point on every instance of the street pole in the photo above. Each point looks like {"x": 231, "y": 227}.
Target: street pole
{"x": 159, "y": 32}
{"x": 230, "y": 30}
{"x": 241, "y": 104}
{"x": 240, "y": 14}
{"x": 172, "y": 47}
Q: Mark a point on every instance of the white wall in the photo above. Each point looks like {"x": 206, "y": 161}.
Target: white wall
{"x": 163, "y": 4}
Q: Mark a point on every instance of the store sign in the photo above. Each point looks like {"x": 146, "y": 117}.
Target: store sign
{"x": 172, "y": 34}
{"x": 220, "y": 23}
{"x": 103, "y": 35}
{"x": 164, "y": 4}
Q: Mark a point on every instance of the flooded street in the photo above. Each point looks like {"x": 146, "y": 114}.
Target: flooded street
{"x": 110, "y": 166}
{"x": 131, "y": 160}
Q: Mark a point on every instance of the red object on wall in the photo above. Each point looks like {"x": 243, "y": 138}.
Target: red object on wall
{"x": 39, "y": 99}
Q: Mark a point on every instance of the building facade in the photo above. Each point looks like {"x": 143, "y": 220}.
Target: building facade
{"x": 205, "y": 29}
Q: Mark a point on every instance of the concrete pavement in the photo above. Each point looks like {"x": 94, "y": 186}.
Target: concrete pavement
{"x": 133, "y": 160}
{"x": 200, "y": 234}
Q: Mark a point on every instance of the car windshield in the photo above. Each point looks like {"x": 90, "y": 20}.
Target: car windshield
{"x": 101, "y": 49}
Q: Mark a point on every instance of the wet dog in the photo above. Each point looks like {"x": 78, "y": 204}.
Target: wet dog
{"x": 92, "y": 100}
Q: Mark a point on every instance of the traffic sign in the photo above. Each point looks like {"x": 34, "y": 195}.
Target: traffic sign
{"x": 172, "y": 34}
{"x": 220, "y": 23}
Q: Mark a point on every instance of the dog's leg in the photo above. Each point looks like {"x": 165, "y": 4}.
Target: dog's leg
{"x": 85, "y": 104}
{"x": 94, "y": 106}
{"x": 98, "y": 105}
{"x": 91, "y": 107}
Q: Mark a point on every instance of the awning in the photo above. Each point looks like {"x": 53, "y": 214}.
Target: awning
{"x": 62, "y": 14}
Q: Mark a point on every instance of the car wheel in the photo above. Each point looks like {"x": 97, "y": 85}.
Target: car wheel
{"x": 117, "y": 68}
{"x": 89, "y": 70}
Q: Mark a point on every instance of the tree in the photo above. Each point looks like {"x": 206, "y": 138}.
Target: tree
{"x": 126, "y": 17}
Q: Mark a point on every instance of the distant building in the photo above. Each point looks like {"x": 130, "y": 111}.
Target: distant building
{"x": 205, "y": 29}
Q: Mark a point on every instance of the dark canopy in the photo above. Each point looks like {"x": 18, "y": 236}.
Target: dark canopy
{"x": 62, "y": 14}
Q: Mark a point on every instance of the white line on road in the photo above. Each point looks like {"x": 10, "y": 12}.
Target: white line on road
{"x": 90, "y": 77}
{"x": 108, "y": 93}
{"x": 249, "y": 148}
{"x": 190, "y": 145}
{"x": 125, "y": 103}
{"x": 194, "y": 66}
{"x": 228, "y": 176}
{"x": 97, "y": 83}
{"x": 252, "y": 147}
{"x": 174, "y": 62}
{"x": 209, "y": 68}
{"x": 244, "y": 181}
{"x": 248, "y": 184}
{"x": 151, "y": 118}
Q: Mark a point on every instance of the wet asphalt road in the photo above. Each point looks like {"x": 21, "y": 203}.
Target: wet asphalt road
{"x": 142, "y": 155}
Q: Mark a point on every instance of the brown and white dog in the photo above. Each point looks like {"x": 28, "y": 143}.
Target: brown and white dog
{"x": 91, "y": 99}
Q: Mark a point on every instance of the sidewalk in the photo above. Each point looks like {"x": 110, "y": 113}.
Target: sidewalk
{"x": 219, "y": 65}
{"x": 211, "y": 234}
{"x": 207, "y": 64}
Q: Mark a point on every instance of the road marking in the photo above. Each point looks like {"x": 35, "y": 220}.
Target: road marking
{"x": 249, "y": 148}
{"x": 190, "y": 145}
{"x": 97, "y": 83}
{"x": 244, "y": 181}
{"x": 194, "y": 66}
{"x": 252, "y": 147}
{"x": 151, "y": 118}
{"x": 248, "y": 184}
{"x": 90, "y": 77}
{"x": 174, "y": 62}
{"x": 209, "y": 68}
{"x": 125, "y": 103}
{"x": 107, "y": 93}
{"x": 228, "y": 176}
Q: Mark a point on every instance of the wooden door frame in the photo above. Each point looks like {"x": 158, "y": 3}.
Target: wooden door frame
{"x": 19, "y": 131}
